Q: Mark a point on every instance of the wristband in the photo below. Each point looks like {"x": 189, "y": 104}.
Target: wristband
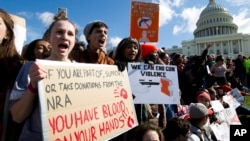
{"x": 32, "y": 89}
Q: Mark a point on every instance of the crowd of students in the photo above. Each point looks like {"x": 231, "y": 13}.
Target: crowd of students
{"x": 201, "y": 79}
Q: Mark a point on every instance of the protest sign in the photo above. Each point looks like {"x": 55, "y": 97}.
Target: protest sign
{"x": 231, "y": 116}
{"x": 216, "y": 105}
{"x": 85, "y": 102}
{"x": 144, "y": 23}
{"x": 19, "y": 31}
{"x": 220, "y": 116}
{"x": 236, "y": 94}
{"x": 221, "y": 131}
{"x": 154, "y": 84}
{"x": 233, "y": 103}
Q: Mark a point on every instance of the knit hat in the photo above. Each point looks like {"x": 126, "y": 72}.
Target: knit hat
{"x": 147, "y": 49}
{"x": 203, "y": 94}
{"x": 197, "y": 110}
{"x": 89, "y": 27}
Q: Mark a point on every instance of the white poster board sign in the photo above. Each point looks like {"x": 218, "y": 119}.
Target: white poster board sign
{"x": 233, "y": 103}
{"x": 216, "y": 105}
{"x": 85, "y": 102}
{"x": 231, "y": 116}
{"x": 154, "y": 84}
{"x": 19, "y": 31}
{"x": 221, "y": 131}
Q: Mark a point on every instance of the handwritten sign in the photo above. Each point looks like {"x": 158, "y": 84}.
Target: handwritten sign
{"x": 85, "y": 102}
{"x": 155, "y": 84}
{"x": 144, "y": 23}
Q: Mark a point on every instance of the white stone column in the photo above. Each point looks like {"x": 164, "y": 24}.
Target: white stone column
{"x": 199, "y": 49}
{"x": 230, "y": 44}
{"x": 241, "y": 47}
{"x": 230, "y": 50}
{"x": 196, "y": 49}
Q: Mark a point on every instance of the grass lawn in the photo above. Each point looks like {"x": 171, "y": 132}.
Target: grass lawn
{"x": 246, "y": 119}
{"x": 247, "y": 101}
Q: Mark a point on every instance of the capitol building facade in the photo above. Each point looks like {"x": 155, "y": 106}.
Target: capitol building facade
{"x": 215, "y": 25}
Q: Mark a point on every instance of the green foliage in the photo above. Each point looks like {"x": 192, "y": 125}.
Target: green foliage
{"x": 247, "y": 101}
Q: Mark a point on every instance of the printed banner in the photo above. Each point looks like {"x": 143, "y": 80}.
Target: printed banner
{"x": 144, "y": 23}
{"x": 154, "y": 84}
{"x": 85, "y": 102}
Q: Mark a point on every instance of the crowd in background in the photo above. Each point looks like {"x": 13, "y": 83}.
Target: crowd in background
{"x": 202, "y": 78}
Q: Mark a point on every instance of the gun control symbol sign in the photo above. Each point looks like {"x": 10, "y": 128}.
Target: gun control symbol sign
{"x": 144, "y": 21}
{"x": 156, "y": 84}
{"x": 85, "y": 102}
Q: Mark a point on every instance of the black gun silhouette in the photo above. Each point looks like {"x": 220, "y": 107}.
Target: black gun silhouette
{"x": 143, "y": 21}
{"x": 149, "y": 83}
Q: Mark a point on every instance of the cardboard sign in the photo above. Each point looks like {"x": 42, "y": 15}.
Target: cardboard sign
{"x": 85, "y": 102}
{"x": 144, "y": 23}
{"x": 154, "y": 84}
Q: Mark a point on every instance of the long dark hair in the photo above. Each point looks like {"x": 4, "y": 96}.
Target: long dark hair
{"x": 10, "y": 60}
{"x": 119, "y": 53}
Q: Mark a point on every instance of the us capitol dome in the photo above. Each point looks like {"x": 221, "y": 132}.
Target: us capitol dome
{"x": 214, "y": 20}
{"x": 215, "y": 25}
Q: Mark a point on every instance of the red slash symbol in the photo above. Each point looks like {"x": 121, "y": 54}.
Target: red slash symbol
{"x": 123, "y": 93}
{"x": 130, "y": 122}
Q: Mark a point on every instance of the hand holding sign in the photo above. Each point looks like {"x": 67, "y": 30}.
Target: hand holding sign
{"x": 83, "y": 106}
